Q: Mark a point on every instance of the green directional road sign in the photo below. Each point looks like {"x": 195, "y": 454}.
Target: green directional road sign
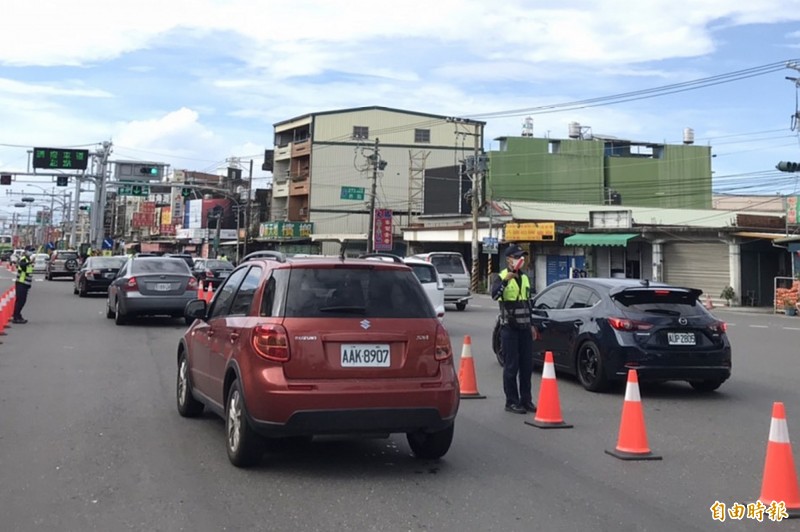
{"x": 352, "y": 193}
{"x": 133, "y": 190}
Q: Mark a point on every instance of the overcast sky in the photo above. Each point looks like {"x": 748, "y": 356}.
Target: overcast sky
{"x": 191, "y": 83}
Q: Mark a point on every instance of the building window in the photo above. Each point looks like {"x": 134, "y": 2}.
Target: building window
{"x": 360, "y": 132}
{"x": 422, "y": 135}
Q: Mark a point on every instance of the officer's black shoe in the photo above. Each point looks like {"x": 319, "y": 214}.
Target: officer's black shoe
{"x": 516, "y": 409}
{"x": 19, "y": 320}
{"x": 529, "y": 407}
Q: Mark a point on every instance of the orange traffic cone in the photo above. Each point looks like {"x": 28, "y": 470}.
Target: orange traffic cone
{"x": 780, "y": 477}
{"x": 4, "y": 316}
{"x": 201, "y": 293}
{"x": 210, "y": 293}
{"x": 466, "y": 373}
{"x": 548, "y": 411}
{"x": 632, "y": 441}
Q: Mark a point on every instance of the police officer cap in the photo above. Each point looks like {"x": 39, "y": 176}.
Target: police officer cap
{"x": 515, "y": 251}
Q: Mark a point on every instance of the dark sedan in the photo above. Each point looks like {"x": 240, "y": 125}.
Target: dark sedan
{"x": 150, "y": 286}
{"x": 597, "y": 329}
{"x": 211, "y": 271}
{"x": 96, "y": 274}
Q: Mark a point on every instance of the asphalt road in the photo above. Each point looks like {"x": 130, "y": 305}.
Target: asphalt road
{"x": 91, "y": 440}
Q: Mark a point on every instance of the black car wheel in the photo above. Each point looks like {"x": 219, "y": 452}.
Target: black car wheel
{"x": 461, "y": 306}
{"x": 245, "y": 447}
{"x": 497, "y": 345}
{"x": 589, "y": 366}
{"x": 188, "y": 406}
{"x": 430, "y": 445}
{"x": 707, "y": 385}
{"x": 82, "y": 291}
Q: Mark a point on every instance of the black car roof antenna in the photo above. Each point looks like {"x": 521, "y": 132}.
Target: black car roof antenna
{"x": 645, "y": 283}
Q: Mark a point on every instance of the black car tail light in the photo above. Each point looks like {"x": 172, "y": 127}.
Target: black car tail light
{"x": 624, "y": 324}
{"x": 131, "y": 285}
{"x": 718, "y": 327}
{"x": 192, "y": 284}
{"x": 209, "y": 273}
{"x": 271, "y": 342}
{"x": 443, "y": 349}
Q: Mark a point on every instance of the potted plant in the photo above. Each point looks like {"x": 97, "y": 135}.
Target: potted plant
{"x": 789, "y": 307}
{"x": 728, "y": 295}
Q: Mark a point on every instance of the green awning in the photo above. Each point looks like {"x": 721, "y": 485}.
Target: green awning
{"x": 599, "y": 239}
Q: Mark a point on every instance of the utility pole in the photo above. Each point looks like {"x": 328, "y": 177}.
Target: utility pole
{"x": 75, "y": 214}
{"x": 374, "y": 191}
{"x": 246, "y": 211}
{"x": 100, "y": 192}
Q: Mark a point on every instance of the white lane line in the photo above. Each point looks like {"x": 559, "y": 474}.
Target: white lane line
{"x": 792, "y": 328}
{"x": 760, "y": 326}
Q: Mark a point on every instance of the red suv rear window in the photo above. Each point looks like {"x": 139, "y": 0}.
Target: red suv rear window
{"x": 356, "y": 291}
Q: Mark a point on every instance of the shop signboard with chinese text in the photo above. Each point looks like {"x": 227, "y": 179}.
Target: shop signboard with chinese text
{"x": 285, "y": 230}
{"x": 382, "y": 234}
{"x": 530, "y": 232}
{"x": 792, "y": 214}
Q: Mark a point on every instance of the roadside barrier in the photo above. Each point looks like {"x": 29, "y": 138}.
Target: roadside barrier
{"x": 466, "y": 373}
{"x": 779, "y": 483}
{"x": 548, "y": 409}
{"x": 632, "y": 442}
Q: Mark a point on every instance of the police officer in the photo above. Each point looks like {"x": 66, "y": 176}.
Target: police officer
{"x": 512, "y": 288}
{"x": 23, "y": 284}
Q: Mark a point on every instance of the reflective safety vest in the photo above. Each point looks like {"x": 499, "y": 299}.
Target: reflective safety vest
{"x": 24, "y": 271}
{"x": 514, "y": 300}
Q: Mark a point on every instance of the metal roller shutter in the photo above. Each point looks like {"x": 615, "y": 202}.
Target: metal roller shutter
{"x": 702, "y": 265}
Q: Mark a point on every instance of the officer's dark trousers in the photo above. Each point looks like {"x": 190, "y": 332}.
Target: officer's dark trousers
{"x": 517, "y": 345}
{"x": 21, "y": 297}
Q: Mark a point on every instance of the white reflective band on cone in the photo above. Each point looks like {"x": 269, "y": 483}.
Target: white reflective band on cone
{"x": 778, "y": 431}
{"x": 632, "y": 392}
{"x": 549, "y": 371}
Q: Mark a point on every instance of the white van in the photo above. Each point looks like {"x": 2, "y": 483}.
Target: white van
{"x": 454, "y": 273}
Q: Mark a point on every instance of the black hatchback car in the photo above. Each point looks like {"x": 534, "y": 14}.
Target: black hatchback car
{"x": 597, "y": 329}
{"x": 96, "y": 274}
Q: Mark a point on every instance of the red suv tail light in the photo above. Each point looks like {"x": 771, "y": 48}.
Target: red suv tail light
{"x": 271, "y": 342}
{"x": 131, "y": 285}
{"x": 623, "y": 324}
{"x": 442, "y": 350}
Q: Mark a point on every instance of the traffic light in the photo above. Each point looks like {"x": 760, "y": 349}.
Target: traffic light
{"x": 87, "y": 208}
{"x": 269, "y": 160}
{"x": 62, "y": 180}
{"x": 186, "y": 192}
{"x": 5, "y": 179}
{"x": 148, "y": 170}
{"x": 234, "y": 174}
{"x": 786, "y": 166}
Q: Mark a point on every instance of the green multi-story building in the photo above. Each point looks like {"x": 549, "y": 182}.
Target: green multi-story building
{"x": 601, "y": 170}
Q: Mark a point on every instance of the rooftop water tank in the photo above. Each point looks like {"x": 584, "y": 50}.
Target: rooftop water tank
{"x": 574, "y": 130}
{"x": 688, "y": 135}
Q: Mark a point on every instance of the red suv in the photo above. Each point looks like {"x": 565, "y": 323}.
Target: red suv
{"x": 300, "y": 347}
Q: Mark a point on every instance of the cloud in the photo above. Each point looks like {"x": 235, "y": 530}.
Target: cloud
{"x": 60, "y": 88}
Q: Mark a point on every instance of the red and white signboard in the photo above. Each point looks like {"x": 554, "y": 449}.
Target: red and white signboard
{"x": 382, "y": 232}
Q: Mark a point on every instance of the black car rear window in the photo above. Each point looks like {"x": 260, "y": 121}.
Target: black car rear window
{"x": 658, "y": 301}
{"x": 107, "y": 262}
{"x": 350, "y": 292}
{"x": 155, "y": 265}
{"x": 219, "y": 264}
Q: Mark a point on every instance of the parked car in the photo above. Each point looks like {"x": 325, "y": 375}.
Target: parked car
{"x": 39, "y": 262}
{"x": 5, "y": 256}
{"x": 211, "y": 271}
{"x": 96, "y": 274}
{"x": 597, "y": 329}
{"x": 426, "y": 274}
{"x": 312, "y": 346}
{"x": 62, "y": 263}
{"x": 455, "y": 276}
{"x": 150, "y": 286}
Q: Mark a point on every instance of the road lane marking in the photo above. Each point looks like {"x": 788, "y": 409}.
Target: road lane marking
{"x": 792, "y": 328}
{"x": 760, "y": 326}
